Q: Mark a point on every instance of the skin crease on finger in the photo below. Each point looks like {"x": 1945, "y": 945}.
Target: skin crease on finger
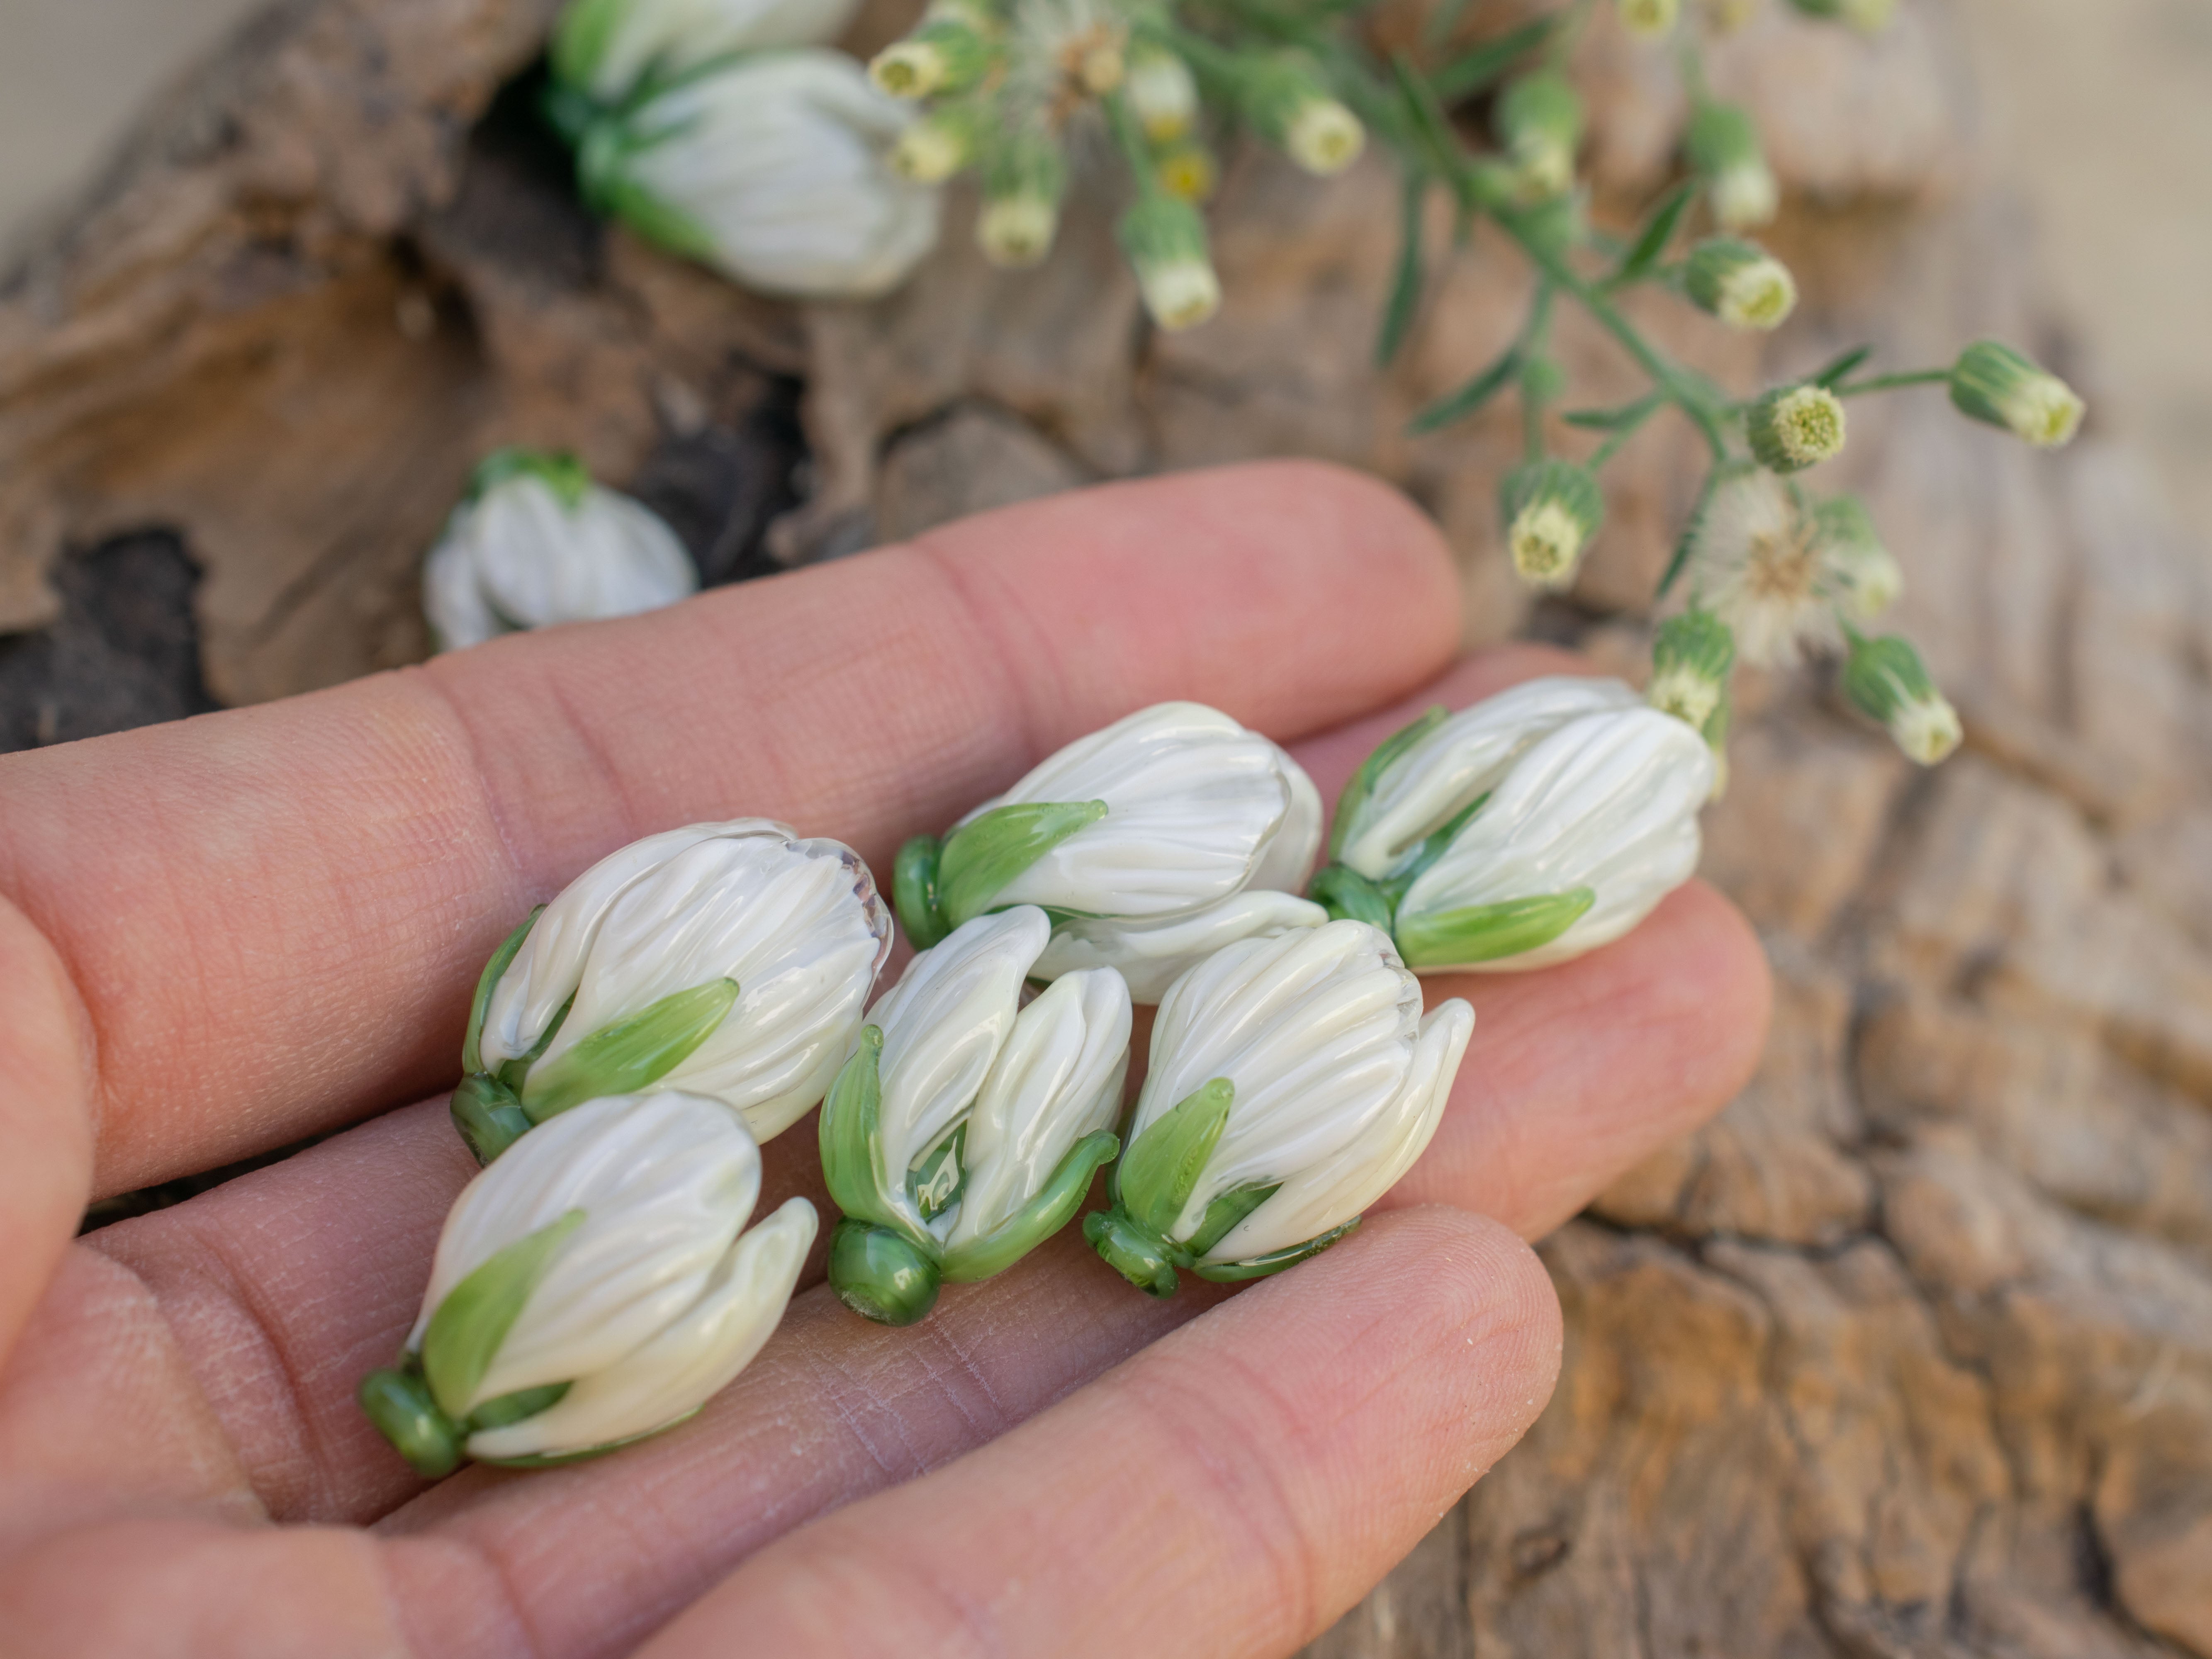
{"x": 224, "y": 1320}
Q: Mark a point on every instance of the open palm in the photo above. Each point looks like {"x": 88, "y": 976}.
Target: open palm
{"x": 233, "y": 934}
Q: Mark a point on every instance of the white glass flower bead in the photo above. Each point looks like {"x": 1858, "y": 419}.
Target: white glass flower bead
{"x": 538, "y": 542}
{"x": 1536, "y": 825}
{"x": 611, "y": 49}
{"x": 594, "y": 1285}
{"x": 1293, "y": 1082}
{"x": 964, "y": 1131}
{"x": 774, "y": 169}
{"x": 729, "y": 960}
{"x": 1150, "y": 843}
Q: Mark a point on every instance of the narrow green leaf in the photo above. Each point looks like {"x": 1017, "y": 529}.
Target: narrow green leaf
{"x": 1458, "y": 405}
{"x": 982, "y": 858}
{"x": 1353, "y": 800}
{"x": 475, "y": 1317}
{"x": 1615, "y": 419}
{"x": 1833, "y": 375}
{"x": 1162, "y": 1167}
{"x": 1489, "y": 932}
{"x": 1431, "y": 129}
{"x": 852, "y": 1155}
{"x": 1053, "y": 1208}
{"x": 473, "y": 1043}
{"x": 1658, "y": 230}
{"x": 631, "y": 1054}
{"x": 1475, "y": 68}
{"x": 913, "y": 891}
{"x": 581, "y": 41}
{"x": 1433, "y": 846}
{"x": 1405, "y": 281}
{"x": 1226, "y": 1212}
{"x": 1348, "y": 895}
{"x": 1259, "y": 1267}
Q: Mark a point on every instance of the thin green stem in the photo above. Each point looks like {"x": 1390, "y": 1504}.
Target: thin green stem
{"x": 1621, "y": 435}
{"x": 1129, "y": 137}
{"x": 1664, "y": 375}
{"x": 1891, "y": 382}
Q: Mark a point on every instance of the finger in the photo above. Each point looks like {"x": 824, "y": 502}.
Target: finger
{"x": 1229, "y": 1491}
{"x": 46, "y": 1120}
{"x": 274, "y": 917}
{"x": 1575, "y": 1072}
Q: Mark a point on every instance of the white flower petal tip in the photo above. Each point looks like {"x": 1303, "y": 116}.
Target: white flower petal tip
{"x": 729, "y": 960}
{"x": 538, "y": 542}
{"x": 775, "y": 169}
{"x": 966, "y": 1128}
{"x": 1293, "y": 1081}
{"x": 594, "y": 1285}
{"x": 1150, "y": 842}
{"x": 1523, "y": 831}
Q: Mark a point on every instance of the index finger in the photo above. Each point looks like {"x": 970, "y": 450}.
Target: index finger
{"x": 273, "y": 917}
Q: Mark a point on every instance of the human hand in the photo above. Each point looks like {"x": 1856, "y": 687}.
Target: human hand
{"x": 264, "y": 925}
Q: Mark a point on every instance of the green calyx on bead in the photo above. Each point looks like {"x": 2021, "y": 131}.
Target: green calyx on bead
{"x": 631, "y": 1054}
{"x": 1993, "y": 384}
{"x": 914, "y": 892}
{"x": 1489, "y": 932}
{"x": 980, "y": 858}
{"x": 472, "y": 1041}
{"x": 466, "y": 1332}
{"x": 399, "y": 1403}
{"x": 1261, "y": 1267}
{"x": 1348, "y": 895}
{"x": 1153, "y": 1182}
{"x": 883, "y": 1265}
{"x": 1353, "y": 801}
{"x": 487, "y": 1116}
{"x": 603, "y": 180}
{"x": 882, "y": 1273}
{"x": 1796, "y": 427}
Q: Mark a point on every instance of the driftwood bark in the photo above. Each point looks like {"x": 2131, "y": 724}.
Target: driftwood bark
{"x": 1911, "y": 1352}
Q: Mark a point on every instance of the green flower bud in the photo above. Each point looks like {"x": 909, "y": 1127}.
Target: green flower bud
{"x": 1650, "y": 19}
{"x": 1992, "y": 383}
{"x": 945, "y": 54}
{"x": 1163, "y": 93}
{"x": 1864, "y": 573}
{"x": 1540, "y": 120}
{"x": 1164, "y": 242}
{"x": 1743, "y": 285}
{"x": 1885, "y": 681}
{"x": 1281, "y": 99}
{"x": 1793, "y": 427}
{"x": 1023, "y": 182}
{"x": 1722, "y": 145}
{"x": 1552, "y": 508}
{"x": 1691, "y": 659}
{"x": 941, "y": 144}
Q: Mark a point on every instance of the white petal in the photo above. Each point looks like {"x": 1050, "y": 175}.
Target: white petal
{"x": 1193, "y": 802}
{"x": 1420, "y": 790}
{"x": 1057, "y": 1079}
{"x": 1153, "y": 955}
{"x": 453, "y": 599}
{"x": 1609, "y": 802}
{"x": 664, "y": 1181}
{"x": 1316, "y": 1029}
{"x": 1289, "y": 857}
{"x": 678, "y": 1370}
{"x": 667, "y": 37}
{"x": 944, "y": 1023}
{"x": 547, "y": 970}
{"x": 781, "y": 158}
{"x": 1327, "y": 1195}
{"x": 540, "y": 562}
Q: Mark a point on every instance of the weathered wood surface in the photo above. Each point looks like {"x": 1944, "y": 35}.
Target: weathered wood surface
{"x": 1911, "y": 1352}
